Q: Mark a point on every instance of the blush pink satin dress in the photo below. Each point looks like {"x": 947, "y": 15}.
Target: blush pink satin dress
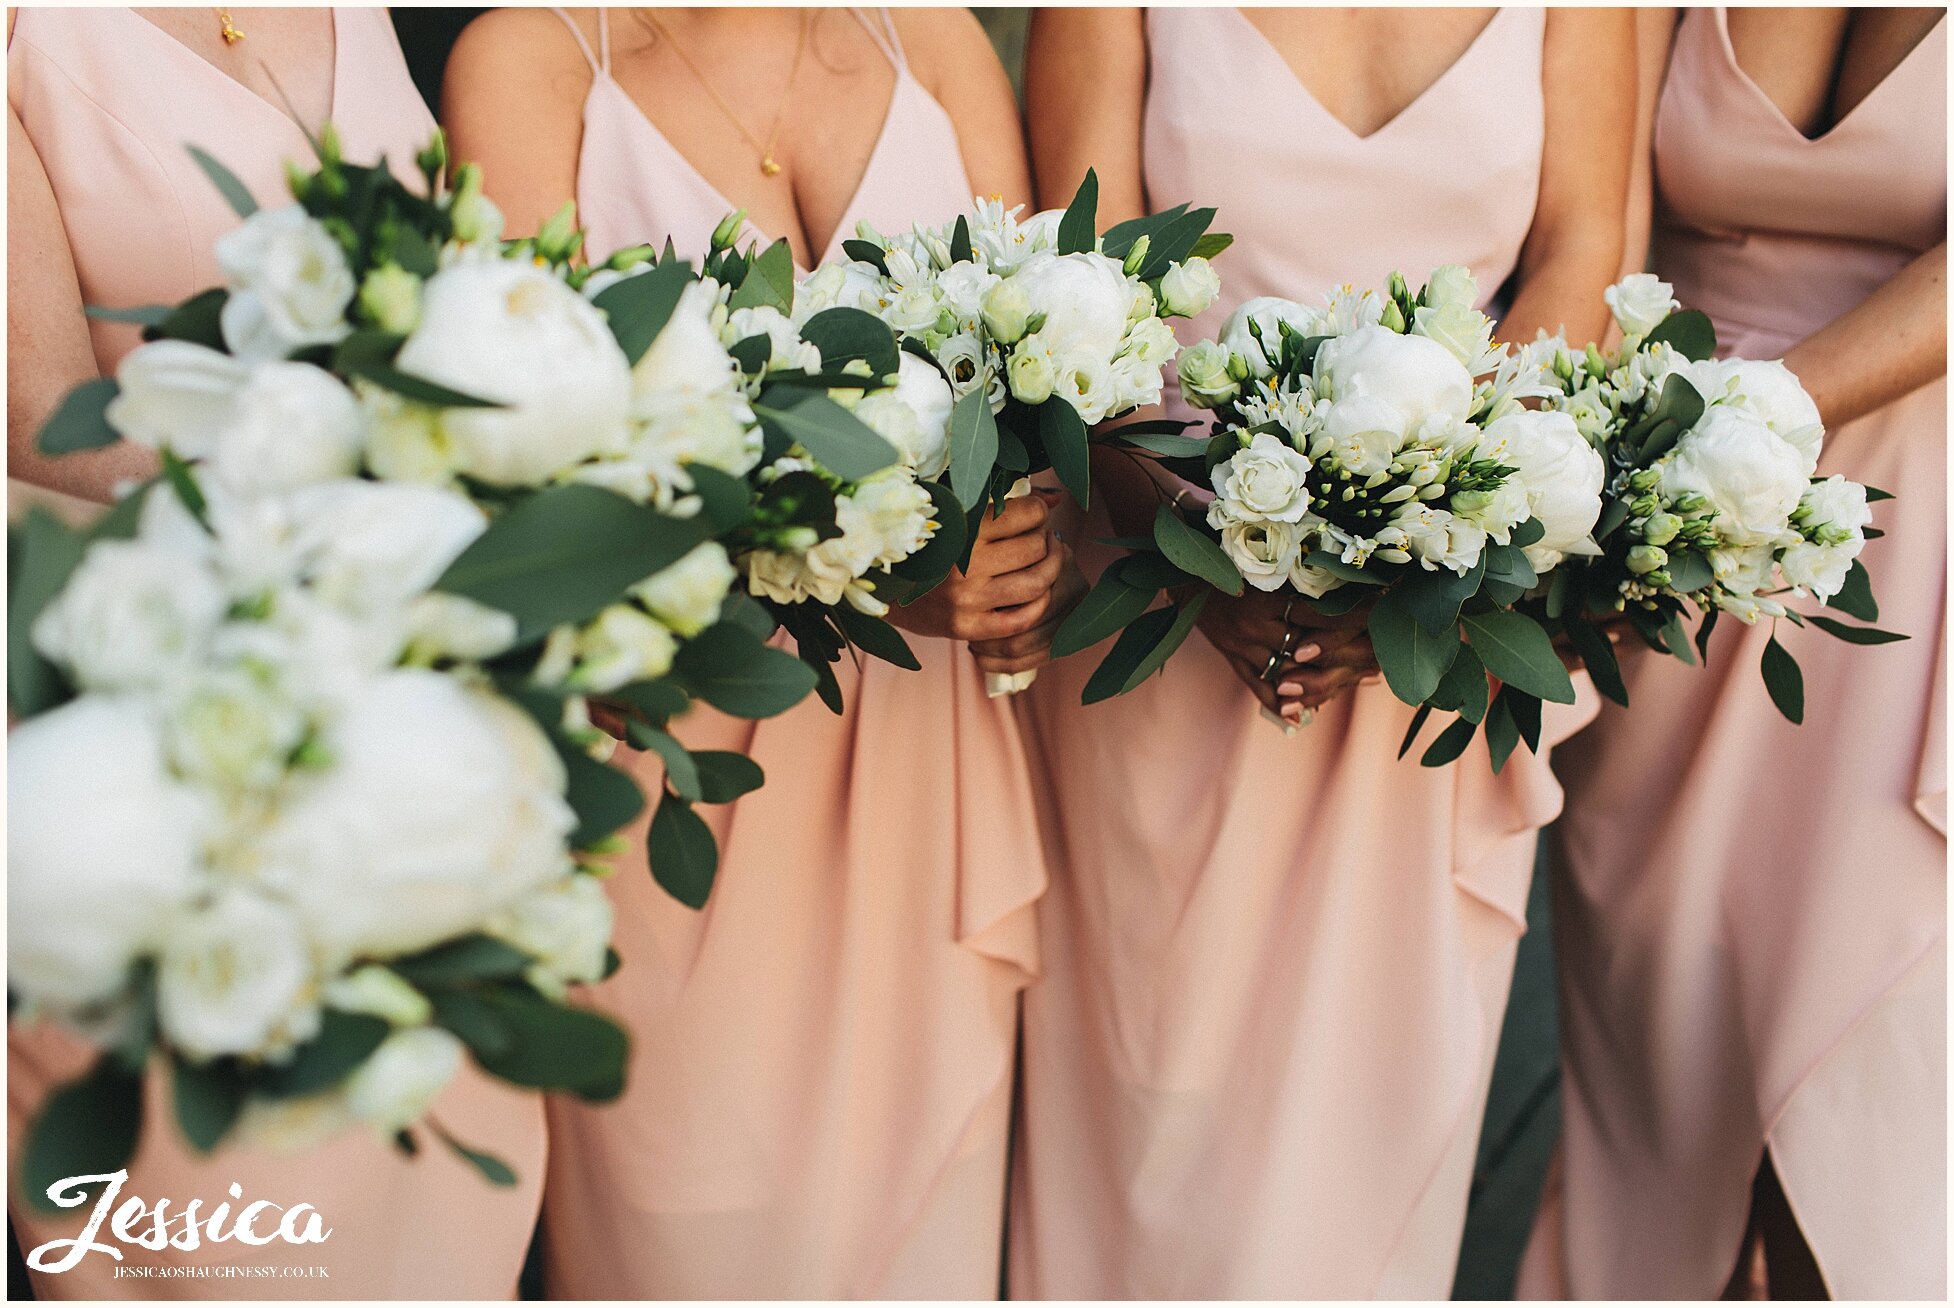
{"x": 820, "y": 1080}
{"x": 109, "y": 101}
{"x": 1276, "y": 968}
{"x": 1751, "y": 915}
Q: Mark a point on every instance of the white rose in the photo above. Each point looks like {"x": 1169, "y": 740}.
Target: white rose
{"x": 565, "y": 927}
{"x": 687, "y": 357}
{"x": 1255, "y": 329}
{"x": 1268, "y": 481}
{"x": 1463, "y": 330}
{"x": 1188, "y": 288}
{"x": 1640, "y": 301}
{"x": 620, "y": 646}
{"x": 376, "y": 545}
{"x": 1365, "y": 433}
{"x": 1773, "y": 392}
{"x": 1452, "y": 287}
{"x": 232, "y": 729}
{"x": 291, "y": 425}
{"x": 688, "y": 596}
{"x": 1084, "y": 298}
{"x": 176, "y": 396}
{"x": 290, "y": 284}
{"x": 402, "y": 1078}
{"x": 1751, "y": 477}
{"x": 234, "y": 976}
{"x": 132, "y": 615}
{"x": 1562, "y": 476}
{"x": 512, "y": 333}
{"x": 1265, "y": 553}
{"x": 1204, "y": 378}
{"x": 102, "y": 843}
{"x": 441, "y": 806}
{"x": 1420, "y": 377}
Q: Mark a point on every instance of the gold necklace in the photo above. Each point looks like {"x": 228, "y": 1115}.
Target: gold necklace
{"x": 768, "y": 167}
{"x": 231, "y": 34}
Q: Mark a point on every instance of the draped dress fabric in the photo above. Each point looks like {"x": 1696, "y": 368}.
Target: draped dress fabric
{"x": 110, "y": 101}
{"x": 820, "y": 1077}
{"x": 1275, "y": 968}
{"x": 1751, "y": 923}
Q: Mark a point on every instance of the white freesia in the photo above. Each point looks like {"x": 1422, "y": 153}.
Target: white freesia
{"x": 1561, "y": 475}
{"x": 1750, "y": 476}
{"x": 1639, "y": 302}
{"x": 290, "y": 425}
{"x": 102, "y": 844}
{"x": 441, "y": 805}
{"x": 176, "y": 396}
{"x": 290, "y": 285}
{"x": 688, "y": 596}
{"x": 132, "y": 615}
{"x": 403, "y": 1077}
{"x": 234, "y": 976}
{"x": 513, "y": 333}
{"x": 1266, "y": 482}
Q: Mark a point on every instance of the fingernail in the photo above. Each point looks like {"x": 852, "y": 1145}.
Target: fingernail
{"x": 1304, "y": 653}
{"x": 1293, "y": 714}
{"x": 1372, "y": 679}
{"x": 1290, "y": 690}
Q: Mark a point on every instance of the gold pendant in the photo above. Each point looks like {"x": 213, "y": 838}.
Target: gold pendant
{"x": 768, "y": 166}
{"x": 231, "y": 35}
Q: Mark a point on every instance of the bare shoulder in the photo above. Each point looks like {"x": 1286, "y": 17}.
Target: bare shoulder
{"x": 524, "y": 49}
{"x": 947, "y": 48}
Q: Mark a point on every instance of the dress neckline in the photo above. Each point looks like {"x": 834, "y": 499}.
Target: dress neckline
{"x": 1777, "y": 115}
{"x": 1416, "y": 102}
{"x": 281, "y": 112}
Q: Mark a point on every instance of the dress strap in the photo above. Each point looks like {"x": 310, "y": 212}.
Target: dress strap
{"x": 597, "y": 64}
{"x": 881, "y": 29}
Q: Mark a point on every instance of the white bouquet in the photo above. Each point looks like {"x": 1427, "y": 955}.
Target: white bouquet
{"x": 1713, "y": 495}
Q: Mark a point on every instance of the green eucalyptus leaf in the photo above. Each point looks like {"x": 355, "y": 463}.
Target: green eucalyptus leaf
{"x": 1518, "y": 651}
{"x": 81, "y": 420}
{"x": 684, "y": 856}
{"x": 1191, "y": 551}
{"x": 1784, "y": 681}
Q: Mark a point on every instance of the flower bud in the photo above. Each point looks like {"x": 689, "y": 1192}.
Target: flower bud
{"x": 473, "y": 214}
{"x": 1596, "y": 364}
{"x": 381, "y": 992}
{"x": 1396, "y": 289}
{"x": 329, "y": 147}
{"x": 728, "y": 230}
{"x": 1658, "y": 578}
{"x": 630, "y": 257}
{"x": 1645, "y": 506}
{"x": 1393, "y": 318}
{"x": 1644, "y": 480}
{"x": 1007, "y": 312}
{"x": 391, "y": 296}
{"x": 1188, "y": 288}
{"x": 1136, "y": 258}
{"x": 558, "y": 238}
{"x": 433, "y": 158}
{"x": 1643, "y": 559}
{"x": 1031, "y": 376}
{"x": 1690, "y": 503}
{"x": 1661, "y": 528}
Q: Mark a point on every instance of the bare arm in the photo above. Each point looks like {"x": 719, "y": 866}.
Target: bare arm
{"x": 1574, "y": 249}
{"x": 1655, "y": 32}
{"x": 512, "y": 101}
{"x": 954, "y": 55}
{"x": 1085, "y": 95}
{"x": 48, "y": 347}
{"x": 1892, "y": 342}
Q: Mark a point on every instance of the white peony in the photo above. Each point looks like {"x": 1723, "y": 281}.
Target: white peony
{"x": 1266, "y": 482}
{"x": 102, "y": 844}
{"x": 441, "y": 805}
{"x": 1752, "y": 478}
{"x": 1562, "y": 476}
{"x": 132, "y": 615}
{"x": 688, "y": 596}
{"x": 1418, "y": 376}
{"x": 234, "y": 977}
{"x": 403, "y": 1078}
{"x": 512, "y": 333}
{"x": 1640, "y": 301}
{"x": 291, "y": 425}
{"x": 1773, "y": 392}
{"x": 1084, "y": 298}
{"x": 290, "y": 285}
{"x": 176, "y": 396}
{"x": 1254, "y": 330}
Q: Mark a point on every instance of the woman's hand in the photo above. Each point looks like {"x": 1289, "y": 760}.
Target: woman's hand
{"x": 1010, "y": 590}
{"x": 1325, "y": 656}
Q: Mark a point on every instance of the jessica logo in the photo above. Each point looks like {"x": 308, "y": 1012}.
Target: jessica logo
{"x": 137, "y": 1223}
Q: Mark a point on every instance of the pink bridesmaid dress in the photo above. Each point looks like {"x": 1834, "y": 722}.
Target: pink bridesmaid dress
{"x": 819, "y": 1090}
{"x": 110, "y": 100}
{"x": 1751, "y": 917}
{"x": 1275, "y": 968}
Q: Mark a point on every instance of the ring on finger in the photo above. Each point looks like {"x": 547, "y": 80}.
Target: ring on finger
{"x": 1275, "y": 657}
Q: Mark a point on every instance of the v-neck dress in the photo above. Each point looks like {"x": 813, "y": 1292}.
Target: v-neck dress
{"x": 109, "y": 101}
{"x": 1275, "y": 967}
{"x": 820, "y": 1075}
{"x": 1750, "y": 916}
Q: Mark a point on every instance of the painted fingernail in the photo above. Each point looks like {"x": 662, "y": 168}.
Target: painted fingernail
{"x": 1293, "y": 714}
{"x": 1304, "y": 653}
{"x": 1290, "y": 690}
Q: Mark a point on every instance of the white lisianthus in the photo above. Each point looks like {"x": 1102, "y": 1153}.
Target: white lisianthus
{"x": 320, "y": 656}
{"x": 716, "y": 430}
{"x": 1837, "y": 503}
{"x": 1084, "y": 299}
{"x": 176, "y": 396}
{"x": 1365, "y": 433}
{"x": 1264, "y": 552}
{"x": 1744, "y": 569}
{"x": 291, "y": 425}
{"x": 565, "y": 927}
{"x": 1820, "y": 569}
{"x": 620, "y": 646}
{"x": 1751, "y": 476}
{"x": 1773, "y": 392}
{"x": 1418, "y": 376}
{"x": 1463, "y": 330}
{"x": 1204, "y": 377}
{"x": 1561, "y": 475}
{"x": 1006, "y": 312}
{"x": 1313, "y": 581}
{"x": 1640, "y": 301}
{"x": 965, "y": 289}
{"x": 403, "y": 1078}
{"x": 290, "y": 285}
{"x": 914, "y": 308}
{"x": 102, "y": 845}
{"x": 512, "y": 333}
{"x": 1452, "y": 286}
{"x": 132, "y": 616}
{"x": 688, "y": 596}
{"x": 441, "y": 806}
{"x": 1188, "y": 288}
{"x": 1255, "y": 329}
{"x": 1266, "y": 482}
{"x": 1032, "y": 372}
{"x": 232, "y": 729}
{"x": 1088, "y": 384}
{"x": 234, "y": 976}
{"x": 379, "y": 992}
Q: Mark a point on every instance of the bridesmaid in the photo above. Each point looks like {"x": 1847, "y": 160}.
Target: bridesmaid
{"x": 820, "y": 1088}
{"x": 1275, "y": 969}
{"x": 106, "y": 207}
{"x": 1753, "y": 955}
